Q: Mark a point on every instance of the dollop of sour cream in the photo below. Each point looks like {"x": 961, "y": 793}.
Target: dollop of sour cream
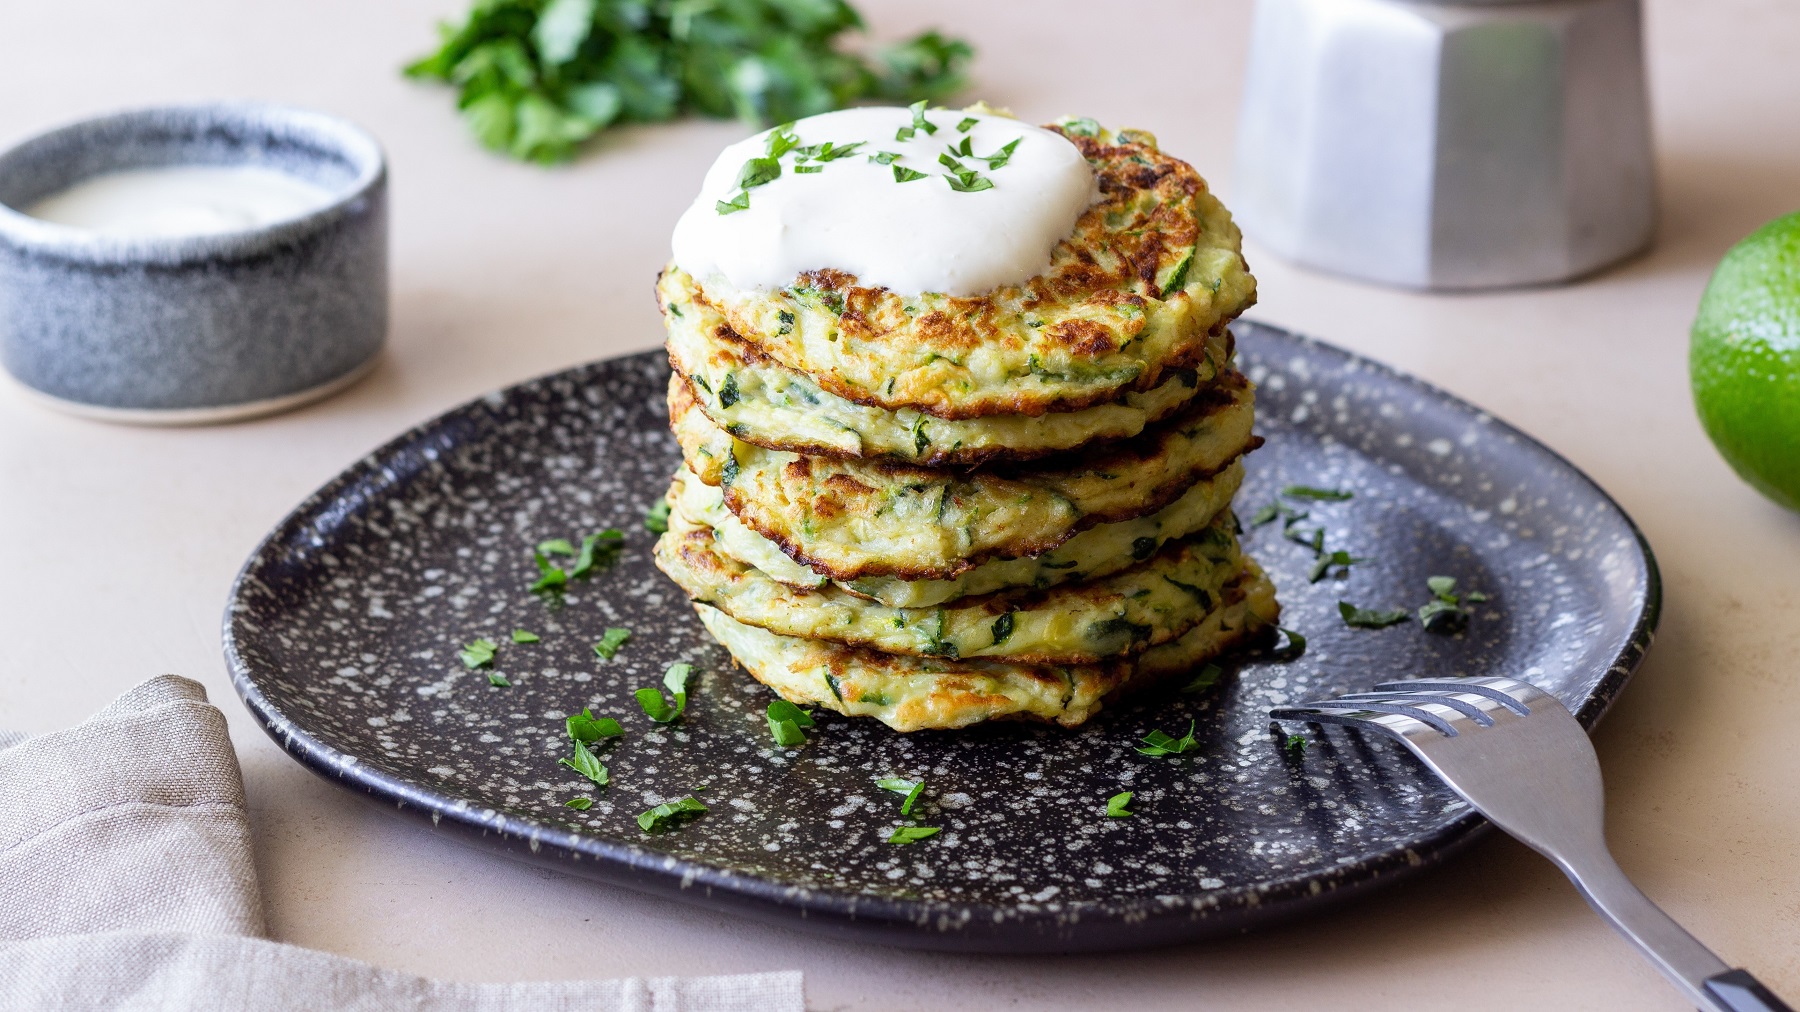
{"x": 854, "y": 214}
{"x": 181, "y": 200}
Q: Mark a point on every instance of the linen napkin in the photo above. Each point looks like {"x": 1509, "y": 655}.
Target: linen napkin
{"x": 126, "y": 882}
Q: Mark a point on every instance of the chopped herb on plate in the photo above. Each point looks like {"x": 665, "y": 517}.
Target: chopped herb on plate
{"x": 911, "y": 788}
{"x": 1296, "y": 644}
{"x": 498, "y": 680}
{"x": 1295, "y": 743}
{"x": 525, "y": 636}
{"x": 1206, "y": 679}
{"x": 657, "y": 520}
{"x": 1369, "y": 618}
{"x": 1331, "y": 560}
{"x": 1317, "y": 494}
{"x": 479, "y": 654}
{"x": 659, "y": 709}
{"x": 670, "y": 814}
{"x": 584, "y": 726}
{"x": 1115, "y": 806}
{"x": 579, "y": 804}
{"x": 585, "y": 763}
{"x": 1157, "y": 743}
{"x": 785, "y": 722}
{"x": 611, "y": 641}
{"x": 912, "y": 834}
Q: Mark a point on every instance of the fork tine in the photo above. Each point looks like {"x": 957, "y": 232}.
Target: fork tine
{"x": 1340, "y": 717}
{"x": 1479, "y": 687}
{"x": 1462, "y": 706}
{"x": 1426, "y": 717}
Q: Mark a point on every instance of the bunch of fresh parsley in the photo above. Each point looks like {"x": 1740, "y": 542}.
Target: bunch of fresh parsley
{"x": 539, "y": 77}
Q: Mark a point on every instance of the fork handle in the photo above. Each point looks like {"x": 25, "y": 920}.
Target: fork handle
{"x": 1707, "y": 980}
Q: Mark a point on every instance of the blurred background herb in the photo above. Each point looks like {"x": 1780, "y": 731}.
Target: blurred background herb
{"x": 539, "y": 77}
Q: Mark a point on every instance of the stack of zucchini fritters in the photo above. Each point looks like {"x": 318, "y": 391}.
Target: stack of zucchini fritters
{"x": 939, "y": 510}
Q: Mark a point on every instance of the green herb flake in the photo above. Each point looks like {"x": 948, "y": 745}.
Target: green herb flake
{"x": 1207, "y": 678}
{"x": 910, "y": 788}
{"x": 525, "y": 636}
{"x": 1443, "y": 617}
{"x": 584, "y": 726}
{"x": 585, "y": 763}
{"x": 965, "y": 124}
{"x": 1157, "y": 743}
{"x": 597, "y": 549}
{"x": 919, "y": 122}
{"x": 1003, "y": 628}
{"x": 1082, "y": 127}
{"x": 1265, "y": 515}
{"x": 1295, "y": 646}
{"x": 902, "y": 174}
{"x": 806, "y": 170}
{"x": 786, "y": 721}
{"x": 1295, "y": 743}
{"x": 1369, "y": 618}
{"x": 1002, "y": 156}
{"x": 912, "y": 834}
{"x": 670, "y": 814}
{"x": 556, "y": 546}
{"x": 550, "y": 576}
{"x": 498, "y": 680}
{"x": 1115, "y": 806}
{"x": 657, "y": 520}
{"x": 479, "y": 654}
{"x": 579, "y": 804}
{"x": 611, "y": 641}
{"x": 758, "y": 172}
{"x": 1325, "y": 563}
{"x": 1443, "y": 588}
{"x": 969, "y": 182}
{"x": 885, "y": 157}
{"x": 659, "y": 709}
{"x": 1317, "y": 494}
{"x": 741, "y": 202}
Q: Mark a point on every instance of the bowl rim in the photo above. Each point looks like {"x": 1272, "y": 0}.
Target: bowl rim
{"x": 75, "y": 245}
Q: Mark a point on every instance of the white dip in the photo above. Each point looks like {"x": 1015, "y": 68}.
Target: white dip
{"x": 182, "y": 200}
{"x": 909, "y": 237}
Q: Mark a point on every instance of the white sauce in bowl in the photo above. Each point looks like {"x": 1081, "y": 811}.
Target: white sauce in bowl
{"x": 852, "y": 215}
{"x": 181, "y": 200}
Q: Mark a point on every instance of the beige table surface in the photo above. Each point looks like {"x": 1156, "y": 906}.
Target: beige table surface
{"x": 117, "y": 545}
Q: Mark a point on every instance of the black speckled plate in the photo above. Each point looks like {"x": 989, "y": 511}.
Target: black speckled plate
{"x": 344, "y": 627}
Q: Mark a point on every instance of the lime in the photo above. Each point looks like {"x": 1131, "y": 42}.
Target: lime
{"x": 1744, "y": 359}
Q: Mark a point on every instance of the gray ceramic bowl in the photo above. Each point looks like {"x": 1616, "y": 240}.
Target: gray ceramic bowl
{"x": 195, "y": 328}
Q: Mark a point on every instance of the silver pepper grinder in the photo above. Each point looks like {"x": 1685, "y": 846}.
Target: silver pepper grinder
{"x": 1450, "y": 145}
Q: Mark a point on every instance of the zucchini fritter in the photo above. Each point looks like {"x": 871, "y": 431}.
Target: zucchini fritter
{"x": 764, "y": 402}
{"x": 1152, "y": 273}
{"x": 1139, "y": 607}
{"x": 855, "y": 519}
{"x": 916, "y": 693}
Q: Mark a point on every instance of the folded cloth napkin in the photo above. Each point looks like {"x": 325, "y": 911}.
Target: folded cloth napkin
{"x": 126, "y": 883}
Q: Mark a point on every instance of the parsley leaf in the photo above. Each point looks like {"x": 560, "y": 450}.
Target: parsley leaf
{"x": 741, "y": 202}
{"x": 585, "y": 763}
{"x": 584, "y": 726}
{"x": 1159, "y": 744}
{"x": 655, "y": 706}
{"x": 1296, "y": 644}
{"x": 1369, "y": 618}
{"x": 911, "y": 788}
{"x": 885, "y": 157}
{"x": 602, "y": 549}
{"x": 1317, "y": 494}
{"x": 902, "y": 174}
{"x": 657, "y": 520}
{"x": 1004, "y": 155}
{"x": 525, "y": 636}
{"x": 479, "y": 654}
{"x": 670, "y": 814}
{"x": 611, "y": 641}
{"x": 919, "y": 121}
{"x": 498, "y": 680}
{"x": 550, "y": 577}
{"x": 1206, "y": 679}
{"x": 556, "y": 546}
{"x": 1326, "y": 562}
{"x": 1115, "y": 806}
{"x": 912, "y": 834}
{"x": 969, "y": 182}
{"x": 1295, "y": 743}
{"x": 785, "y": 722}
{"x": 1442, "y": 587}
{"x": 963, "y": 125}
{"x": 757, "y": 172}
{"x": 579, "y": 804}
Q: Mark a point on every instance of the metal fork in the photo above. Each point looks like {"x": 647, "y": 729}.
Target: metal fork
{"x": 1516, "y": 755}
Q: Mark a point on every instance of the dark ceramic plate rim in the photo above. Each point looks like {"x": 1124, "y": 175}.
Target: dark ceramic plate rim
{"x": 902, "y": 923}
